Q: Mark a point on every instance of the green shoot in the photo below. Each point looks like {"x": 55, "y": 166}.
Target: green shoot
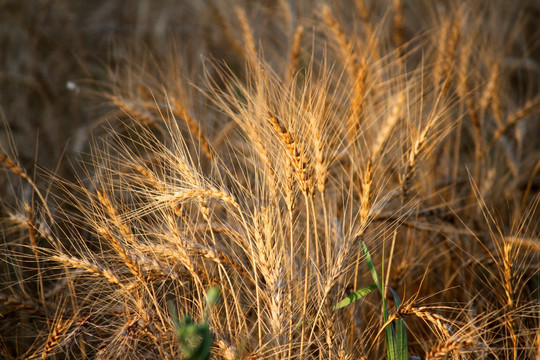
{"x": 195, "y": 338}
{"x": 396, "y": 336}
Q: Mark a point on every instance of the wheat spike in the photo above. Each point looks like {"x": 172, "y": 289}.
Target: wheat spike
{"x": 194, "y": 128}
{"x": 247, "y": 32}
{"x": 440, "y": 351}
{"x": 527, "y": 109}
{"x": 295, "y": 52}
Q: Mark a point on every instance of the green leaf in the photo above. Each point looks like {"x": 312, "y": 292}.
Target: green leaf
{"x": 390, "y": 342}
{"x": 355, "y": 296}
{"x": 396, "y": 337}
{"x": 401, "y": 332}
{"x": 371, "y": 266}
{"x": 174, "y": 314}
{"x": 195, "y": 337}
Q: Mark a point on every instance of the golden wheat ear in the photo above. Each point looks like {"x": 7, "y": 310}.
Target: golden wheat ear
{"x": 318, "y": 165}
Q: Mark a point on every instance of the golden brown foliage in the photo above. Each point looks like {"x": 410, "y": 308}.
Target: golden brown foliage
{"x": 252, "y": 147}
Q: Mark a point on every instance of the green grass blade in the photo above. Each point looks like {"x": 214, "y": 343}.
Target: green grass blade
{"x": 174, "y": 314}
{"x": 371, "y": 266}
{"x": 396, "y": 338}
{"x": 390, "y": 336}
{"x": 401, "y": 332}
{"x": 355, "y": 296}
{"x": 397, "y": 300}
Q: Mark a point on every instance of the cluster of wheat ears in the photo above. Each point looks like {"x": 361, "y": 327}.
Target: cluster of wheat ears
{"x": 269, "y": 158}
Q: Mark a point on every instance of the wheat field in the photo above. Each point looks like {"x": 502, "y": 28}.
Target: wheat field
{"x": 277, "y": 179}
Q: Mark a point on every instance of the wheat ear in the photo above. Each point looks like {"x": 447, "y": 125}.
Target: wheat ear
{"x": 18, "y": 170}
{"x": 55, "y": 336}
{"x": 128, "y": 260}
{"x": 294, "y": 58}
{"x": 19, "y": 303}
{"x": 290, "y": 142}
{"x": 398, "y": 22}
{"x": 237, "y": 45}
{"x": 411, "y": 163}
{"x": 452, "y": 344}
{"x": 442, "y": 324}
{"x": 356, "y": 71}
{"x": 527, "y": 109}
{"x": 247, "y": 32}
{"x": 194, "y": 128}
{"x": 135, "y": 111}
{"x": 92, "y": 268}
